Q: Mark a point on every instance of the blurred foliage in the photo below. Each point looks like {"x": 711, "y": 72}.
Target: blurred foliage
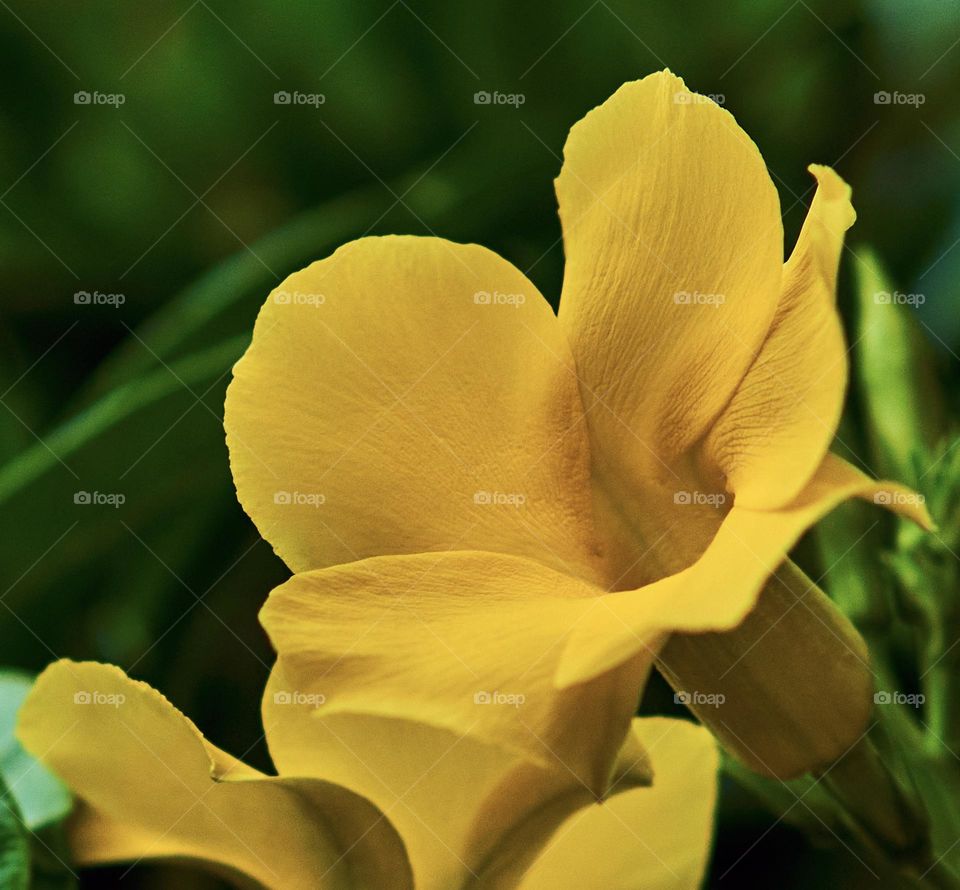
{"x": 40, "y": 798}
{"x": 33, "y": 805}
{"x": 14, "y": 846}
{"x": 198, "y": 193}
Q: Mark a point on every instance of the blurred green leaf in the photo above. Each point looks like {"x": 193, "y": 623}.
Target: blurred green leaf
{"x": 14, "y": 847}
{"x": 40, "y": 797}
{"x": 895, "y": 367}
{"x": 223, "y": 301}
{"x": 802, "y": 802}
{"x": 132, "y": 401}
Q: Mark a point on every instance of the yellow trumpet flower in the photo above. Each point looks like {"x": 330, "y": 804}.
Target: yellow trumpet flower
{"x": 478, "y": 495}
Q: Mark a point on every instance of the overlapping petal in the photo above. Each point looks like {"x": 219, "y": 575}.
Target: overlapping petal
{"x": 467, "y": 641}
{"x": 408, "y": 395}
{"x": 150, "y": 786}
{"x": 780, "y": 422}
{"x": 673, "y": 242}
{"x": 430, "y": 782}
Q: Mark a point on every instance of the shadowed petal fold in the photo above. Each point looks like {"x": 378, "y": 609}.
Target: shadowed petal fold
{"x": 657, "y": 838}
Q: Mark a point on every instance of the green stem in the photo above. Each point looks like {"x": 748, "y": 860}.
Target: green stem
{"x": 943, "y": 698}
{"x": 889, "y": 825}
{"x": 877, "y": 806}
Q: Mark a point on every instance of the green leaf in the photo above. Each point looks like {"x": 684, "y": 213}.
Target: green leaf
{"x": 37, "y": 794}
{"x": 123, "y": 404}
{"x": 14, "y": 846}
{"x": 896, "y": 372}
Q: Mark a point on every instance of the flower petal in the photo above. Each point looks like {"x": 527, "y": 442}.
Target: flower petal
{"x": 152, "y": 787}
{"x": 718, "y": 591}
{"x": 657, "y": 837}
{"x": 406, "y": 395}
{"x": 466, "y": 641}
{"x": 674, "y": 248}
{"x": 779, "y": 424}
{"x": 502, "y": 803}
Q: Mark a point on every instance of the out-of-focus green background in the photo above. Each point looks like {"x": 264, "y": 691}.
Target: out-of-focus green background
{"x": 195, "y": 195}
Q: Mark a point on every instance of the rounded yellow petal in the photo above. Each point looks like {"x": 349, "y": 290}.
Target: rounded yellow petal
{"x": 779, "y": 424}
{"x": 657, "y": 838}
{"x": 465, "y": 809}
{"x": 466, "y": 641}
{"x": 674, "y": 253}
{"x": 151, "y": 787}
{"x": 410, "y": 394}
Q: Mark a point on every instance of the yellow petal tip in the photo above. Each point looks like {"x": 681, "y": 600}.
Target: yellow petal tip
{"x": 835, "y": 190}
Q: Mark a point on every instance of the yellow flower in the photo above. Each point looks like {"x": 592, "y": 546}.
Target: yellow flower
{"x": 476, "y": 494}
{"x": 151, "y": 787}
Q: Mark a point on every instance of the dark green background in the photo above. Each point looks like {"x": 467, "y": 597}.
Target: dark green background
{"x": 199, "y": 191}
